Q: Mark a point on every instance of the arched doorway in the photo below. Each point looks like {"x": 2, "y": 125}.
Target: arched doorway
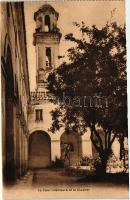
{"x": 39, "y": 150}
{"x": 71, "y": 148}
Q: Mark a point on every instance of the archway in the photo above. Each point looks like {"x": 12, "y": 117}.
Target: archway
{"x": 47, "y": 23}
{"x": 9, "y": 169}
{"x": 71, "y": 148}
{"x": 39, "y": 150}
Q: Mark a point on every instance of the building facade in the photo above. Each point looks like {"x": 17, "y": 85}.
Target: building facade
{"x": 44, "y": 146}
{"x": 14, "y": 91}
{"x": 27, "y": 140}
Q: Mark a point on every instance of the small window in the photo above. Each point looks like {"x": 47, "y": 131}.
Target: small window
{"x": 48, "y": 57}
{"x": 39, "y": 115}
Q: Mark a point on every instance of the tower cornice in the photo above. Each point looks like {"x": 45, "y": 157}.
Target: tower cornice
{"x": 41, "y": 36}
{"x": 46, "y": 8}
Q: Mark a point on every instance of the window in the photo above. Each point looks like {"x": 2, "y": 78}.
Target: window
{"x": 47, "y": 23}
{"x": 48, "y": 57}
{"x": 39, "y": 115}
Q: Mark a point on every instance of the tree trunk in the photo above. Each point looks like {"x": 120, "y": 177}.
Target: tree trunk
{"x": 104, "y": 164}
{"x": 122, "y": 151}
{"x": 121, "y": 147}
{"x": 104, "y": 159}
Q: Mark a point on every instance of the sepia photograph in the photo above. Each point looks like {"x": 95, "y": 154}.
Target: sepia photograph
{"x": 64, "y": 120}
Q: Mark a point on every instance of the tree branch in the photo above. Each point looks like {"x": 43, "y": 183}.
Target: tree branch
{"x": 109, "y": 138}
{"x": 111, "y": 142}
{"x": 106, "y": 134}
{"x": 94, "y": 143}
{"x": 98, "y": 136}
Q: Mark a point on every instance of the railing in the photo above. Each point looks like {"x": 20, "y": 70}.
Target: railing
{"x": 36, "y": 96}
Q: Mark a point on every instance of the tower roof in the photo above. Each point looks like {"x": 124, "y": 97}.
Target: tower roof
{"x": 45, "y": 8}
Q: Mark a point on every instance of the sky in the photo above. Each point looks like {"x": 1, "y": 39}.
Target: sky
{"x": 89, "y": 11}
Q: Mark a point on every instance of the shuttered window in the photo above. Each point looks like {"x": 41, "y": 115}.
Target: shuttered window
{"x": 39, "y": 115}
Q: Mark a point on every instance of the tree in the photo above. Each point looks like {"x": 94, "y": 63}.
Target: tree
{"x": 92, "y": 86}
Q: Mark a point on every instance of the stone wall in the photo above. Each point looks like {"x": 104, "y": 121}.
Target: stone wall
{"x": 15, "y": 91}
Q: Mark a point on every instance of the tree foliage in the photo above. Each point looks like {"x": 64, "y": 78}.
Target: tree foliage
{"x": 92, "y": 86}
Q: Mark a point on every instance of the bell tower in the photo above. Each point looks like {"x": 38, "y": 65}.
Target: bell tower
{"x": 46, "y": 40}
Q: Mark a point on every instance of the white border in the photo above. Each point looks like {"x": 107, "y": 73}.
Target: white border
{"x": 127, "y": 6}
{"x": 128, "y": 87}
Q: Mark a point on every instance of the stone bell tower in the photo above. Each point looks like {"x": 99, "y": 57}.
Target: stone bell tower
{"x": 44, "y": 146}
{"x": 46, "y": 39}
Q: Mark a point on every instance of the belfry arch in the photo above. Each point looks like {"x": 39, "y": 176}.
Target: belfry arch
{"x": 39, "y": 149}
{"x": 47, "y": 23}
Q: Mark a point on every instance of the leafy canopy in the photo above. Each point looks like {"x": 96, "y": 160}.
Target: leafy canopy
{"x": 96, "y": 69}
